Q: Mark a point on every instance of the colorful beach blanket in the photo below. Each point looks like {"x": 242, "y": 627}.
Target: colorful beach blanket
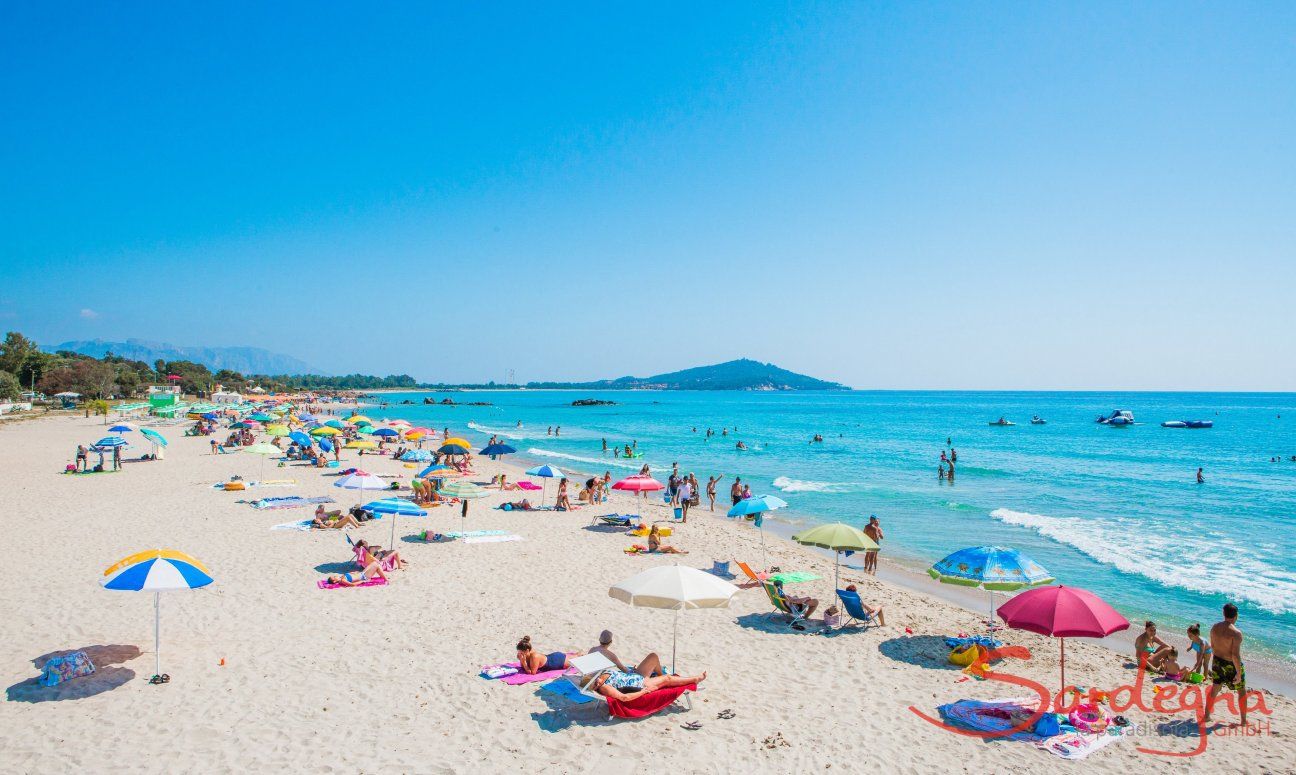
{"x": 1004, "y": 714}
{"x": 289, "y": 502}
{"x": 475, "y": 533}
{"x": 492, "y": 539}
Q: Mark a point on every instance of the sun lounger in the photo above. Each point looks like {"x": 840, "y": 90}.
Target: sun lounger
{"x": 854, "y": 607}
{"x": 615, "y": 520}
{"x": 795, "y": 614}
{"x": 588, "y": 668}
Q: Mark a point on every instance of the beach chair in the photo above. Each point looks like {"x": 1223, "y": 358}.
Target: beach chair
{"x": 363, "y": 557}
{"x": 756, "y": 578}
{"x": 615, "y": 520}
{"x": 590, "y": 666}
{"x": 795, "y": 614}
{"x": 854, "y": 607}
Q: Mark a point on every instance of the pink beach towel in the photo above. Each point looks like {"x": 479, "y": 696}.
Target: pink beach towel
{"x": 378, "y": 582}
{"x": 519, "y": 678}
{"x": 531, "y": 486}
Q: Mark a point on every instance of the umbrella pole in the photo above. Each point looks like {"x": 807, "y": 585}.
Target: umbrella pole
{"x": 1062, "y": 642}
{"x": 764, "y": 559}
{"x": 674, "y": 638}
{"x": 157, "y": 633}
{"x": 392, "y": 544}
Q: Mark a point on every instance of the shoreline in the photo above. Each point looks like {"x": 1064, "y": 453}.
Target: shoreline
{"x": 1272, "y": 674}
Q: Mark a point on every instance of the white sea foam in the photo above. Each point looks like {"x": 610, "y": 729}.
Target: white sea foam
{"x": 800, "y": 485}
{"x": 1208, "y": 565}
{"x": 603, "y": 462}
{"x": 511, "y": 433}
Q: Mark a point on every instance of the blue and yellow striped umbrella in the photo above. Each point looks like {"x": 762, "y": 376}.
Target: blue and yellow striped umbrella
{"x": 157, "y": 571}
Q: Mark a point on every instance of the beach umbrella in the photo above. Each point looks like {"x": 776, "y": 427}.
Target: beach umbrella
{"x": 416, "y": 456}
{"x": 992, "y": 568}
{"x": 276, "y": 430}
{"x": 325, "y": 444}
{"x": 465, "y": 491}
{"x": 360, "y": 480}
{"x": 398, "y": 423}
{"x": 244, "y": 424}
{"x": 839, "y": 537}
{"x": 546, "y": 472}
{"x": 357, "y": 419}
{"x": 157, "y": 571}
{"x": 395, "y": 507}
{"x": 122, "y": 427}
{"x": 437, "y": 470}
{"x": 210, "y": 416}
{"x": 637, "y": 484}
{"x": 756, "y": 507}
{"x": 108, "y": 442}
{"x": 497, "y": 449}
{"x": 676, "y": 588}
{"x": 262, "y": 417}
{"x": 1062, "y": 612}
{"x": 386, "y": 433}
{"x": 264, "y": 450}
{"x": 454, "y": 449}
{"x": 325, "y": 430}
{"x": 306, "y": 417}
{"x": 458, "y": 441}
{"x": 418, "y": 429}
{"x": 338, "y": 424}
{"x": 302, "y": 439}
{"x": 157, "y": 439}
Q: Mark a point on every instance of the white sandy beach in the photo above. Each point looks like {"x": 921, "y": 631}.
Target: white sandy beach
{"x": 385, "y": 679}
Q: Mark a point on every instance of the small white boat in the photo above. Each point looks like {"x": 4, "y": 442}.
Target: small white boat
{"x": 1118, "y": 418}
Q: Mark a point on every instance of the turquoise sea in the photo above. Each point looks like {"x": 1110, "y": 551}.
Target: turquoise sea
{"x": 1115, "y": 510}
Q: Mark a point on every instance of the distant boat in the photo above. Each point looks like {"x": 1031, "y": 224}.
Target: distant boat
{"x": 1188, "y": 424}
{"x": 1037, "y": 420}
{"x": 1002, "y": 422}
{"x": 1117, "y": 418}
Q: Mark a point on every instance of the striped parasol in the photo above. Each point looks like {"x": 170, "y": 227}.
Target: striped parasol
{"x": 157, "y": 571}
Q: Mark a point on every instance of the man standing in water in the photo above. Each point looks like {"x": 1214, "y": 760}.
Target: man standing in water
{"x": 1226, "y": 670}
{"x": 873, "y": 530}
{"x": 1201, "y": 478}
{"x": 735, "y": 492}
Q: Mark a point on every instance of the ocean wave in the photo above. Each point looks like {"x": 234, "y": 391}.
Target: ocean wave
{"x": 601, "y": 462}
{"x": 511, "y": 433}
{"x": 1209, "y": 566}
{"x": 956, "y": 506}
{"x": 800, "y": 485}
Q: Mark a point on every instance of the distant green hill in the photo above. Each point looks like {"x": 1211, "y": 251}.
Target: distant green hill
{"x": 742, "y": 374}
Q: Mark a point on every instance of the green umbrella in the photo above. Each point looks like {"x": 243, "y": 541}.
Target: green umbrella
{"x": 839, "y": 537}
{"x": 264, "y": 450}
{"x": 465, "y": 491}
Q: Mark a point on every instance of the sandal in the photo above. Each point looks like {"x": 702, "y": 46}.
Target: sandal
{"x": 692, "y": 726}
{"x": 726, "y": 714}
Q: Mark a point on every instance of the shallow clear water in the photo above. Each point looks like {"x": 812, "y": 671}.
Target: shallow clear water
{"x": 1115, "y": 510}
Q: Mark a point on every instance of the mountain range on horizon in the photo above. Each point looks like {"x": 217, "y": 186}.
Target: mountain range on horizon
{"x": 739, "y": 374}
{"x": 245, "y": 360}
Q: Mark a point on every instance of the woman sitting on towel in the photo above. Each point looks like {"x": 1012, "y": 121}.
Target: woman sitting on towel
{"x": 656, "y": 546}
{"x": 371, "y": 571}
{"x": 625, "y": 686}
{"x": 532, "y": 661}
{"x": 378, "y": 553}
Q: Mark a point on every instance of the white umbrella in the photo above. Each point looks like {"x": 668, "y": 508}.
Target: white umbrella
{"x": 675, "y": 587}
{"x": 360, "y": 480}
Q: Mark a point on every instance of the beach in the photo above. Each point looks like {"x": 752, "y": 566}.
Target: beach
{"x": 268, "y": 671}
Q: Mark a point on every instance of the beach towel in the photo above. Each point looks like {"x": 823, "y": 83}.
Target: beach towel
{"x": 304, "y": 526}
{"x": 646, "y": 703}
{"x": 793, "y": 576}
{"x": 567, "y": 690}
{"x": 288, "y": 502}
{"x": 475, "y": 533}
{"x": 517, "y": 677}
{"x": 491, "y": 539}
{"x": 378, "y": 582}
{"x": 993, "y": 716}
{"x": 1078, "y": 745}
{"x": 60, "y": 669}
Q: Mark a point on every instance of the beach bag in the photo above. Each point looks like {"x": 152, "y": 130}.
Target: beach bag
{"x": 65, "y": 668}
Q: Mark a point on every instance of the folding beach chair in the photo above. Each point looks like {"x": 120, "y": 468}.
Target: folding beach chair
{"x": 589, "y": 666}
{"x": 756, "y": 578}
{"x": 796, "y": 614}
{"x": 854, "y": 608}
{"x": 615, "y": 520}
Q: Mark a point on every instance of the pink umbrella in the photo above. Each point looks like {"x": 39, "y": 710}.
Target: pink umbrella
{"x": 639, "y": 484}
{"x": 1062, "y": 612}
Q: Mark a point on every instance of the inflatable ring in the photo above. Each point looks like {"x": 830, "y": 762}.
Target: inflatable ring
{"x": 1088, "y": 718}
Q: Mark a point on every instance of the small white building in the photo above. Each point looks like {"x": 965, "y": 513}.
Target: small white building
{"x": 223, "y": 396}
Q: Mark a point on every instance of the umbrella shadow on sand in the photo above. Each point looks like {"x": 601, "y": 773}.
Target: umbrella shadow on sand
{"x": 564, "y": 713}
{"x": 106, "y": 677}
{"x": 927, "y": 651}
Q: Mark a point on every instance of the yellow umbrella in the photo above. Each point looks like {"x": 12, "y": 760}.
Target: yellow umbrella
{"x": 361, "y": 445}
{"x": 325, "y": 430}
{"x": 416, "y": 435}
{"x": 456, "y": 440}
{"x": 356, "y": 419}
{"x": 276, "y": 430}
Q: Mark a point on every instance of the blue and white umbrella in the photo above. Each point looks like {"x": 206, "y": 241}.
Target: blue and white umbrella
{"x": 157, "y": 571}
{"x": 122, "y": 427}
{"x": 992, "y": 568}
{"x": 758, "y": 506}
{"x": 108, "y": 442}
{"x": 416, "y": 456}
{"x": 396, "y": 507}
{"x": 546, "y": 472}
{"x": 157, "y": 439}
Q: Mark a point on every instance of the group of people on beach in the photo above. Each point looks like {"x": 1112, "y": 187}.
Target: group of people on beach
{"x": 1217, "y": 659}
{"x": 621, "y": 683}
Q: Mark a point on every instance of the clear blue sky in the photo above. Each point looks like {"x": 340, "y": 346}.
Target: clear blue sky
{"x": 1026, "y": 195}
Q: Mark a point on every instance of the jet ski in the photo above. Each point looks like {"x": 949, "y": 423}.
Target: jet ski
{"x": 1037, "y": 420}
{"x": 1002, "y": 422}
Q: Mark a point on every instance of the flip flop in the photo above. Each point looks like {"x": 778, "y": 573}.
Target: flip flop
{"x": 692, "y": 726}
{"x": 726, "y": 714}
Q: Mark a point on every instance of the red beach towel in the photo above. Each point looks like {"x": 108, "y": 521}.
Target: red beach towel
{"x": 647, "y": 703}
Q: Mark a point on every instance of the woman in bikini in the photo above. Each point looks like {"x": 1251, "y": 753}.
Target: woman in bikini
{"x": 371, "y": 571}
{"x": 1203, "y": 649}
{"x": 378, "y": 553}
{"x": 532, "y": 661}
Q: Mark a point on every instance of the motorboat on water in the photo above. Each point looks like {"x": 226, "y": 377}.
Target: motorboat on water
{"x": 1188, "y": 424}
{"x": 1037, "y": 420}
{"x": 1003, "y": 422}
{"x": 1118, "y": 417}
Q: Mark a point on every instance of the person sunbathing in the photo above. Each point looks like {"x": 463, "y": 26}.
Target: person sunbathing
{"x": 626, "y": 686}
{"x": 868, "y": 609}
{"x": 807, "y": 604}
{"x": 378, "y": 553}
{"x": 522, "y": 505}
{"x": 333, "y": 520}
{"x": 655, "y": 545}
{"x": 531, "y": 661}
{"x": 371, "y": 571}
{"x": 651, "y": 664}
